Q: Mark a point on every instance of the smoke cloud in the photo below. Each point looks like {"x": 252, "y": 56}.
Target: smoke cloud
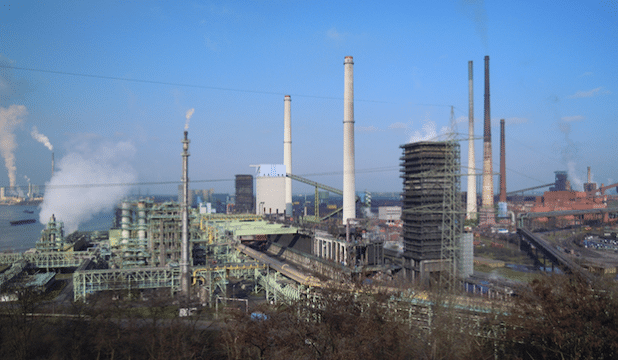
{"x": 9, "y": 120}
{"x": 576, "y": 183}
{"x": 90, "y": 161}
{"x": 429, "y": 132}
{"x": 188, "y": 117}
{"x": 475, "y": 11}
{"x": 41, "y": 138}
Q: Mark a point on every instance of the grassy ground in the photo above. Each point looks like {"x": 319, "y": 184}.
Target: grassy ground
{"x": 508, "y": 273}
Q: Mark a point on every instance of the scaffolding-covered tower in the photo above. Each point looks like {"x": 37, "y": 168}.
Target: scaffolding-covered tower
{"x": 432, "y": 214}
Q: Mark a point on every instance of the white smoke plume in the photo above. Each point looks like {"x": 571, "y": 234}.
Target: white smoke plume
{"x": 36, "y": 135}
{"x": 27, "y": 179}
{"x": 429, "y": 132}
{"x": 9, "y": 119}
{"x": 89, "y": 161}
{"x": 188, "y": 117}
{"x": 576, "y": 183}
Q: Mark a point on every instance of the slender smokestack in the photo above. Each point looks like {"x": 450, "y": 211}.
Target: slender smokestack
{"x": 589, "y": 177}
{"x": 349, "y": 187}
{"x": 52, "y": 165}
{"x": 471, "y": 211}
{"x": 185, "y": 276}
{"x": 488, "y": 216}
{"x": 287, "y": 152}
{"x": 502, "y": 164}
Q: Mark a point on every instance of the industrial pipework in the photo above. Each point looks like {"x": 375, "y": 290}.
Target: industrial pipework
{"x": 471, "y": 211}
{"x": 487, "y": 213}
{"x": 349, "y": 186}
{"x": 287, "y": 152}
{"x": 185, "y": 275}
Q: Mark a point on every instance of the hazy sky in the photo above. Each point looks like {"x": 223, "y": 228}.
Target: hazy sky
{"x": 553, "y": 78}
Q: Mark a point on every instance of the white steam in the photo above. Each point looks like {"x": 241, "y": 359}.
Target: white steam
{"x": 576, "y": 183}
{"x": 429, "y": 132}
{"x": 90, "y": 161}
{"x": 188, "y": 117}
{"x": 9, "y": 119}
{"x": 36, "y": 135}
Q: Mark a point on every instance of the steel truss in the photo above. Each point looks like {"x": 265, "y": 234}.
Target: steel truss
{"x": 49, "y": 260}
{"x": 91, "y": 281}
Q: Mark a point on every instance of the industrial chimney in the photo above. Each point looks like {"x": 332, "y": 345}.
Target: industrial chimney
{"x": 487, "y": 212}
{"x": 52, "y": 175}
{"x": 185, "y": 276}
{"x": 349, "y": 187}
{"x": 287, "y": 152}
{"x": 471, "y": 211}
{"x": 502, "y": 164}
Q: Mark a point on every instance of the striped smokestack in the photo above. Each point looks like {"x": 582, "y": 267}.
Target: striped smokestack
{"x": 349, "y": 187}
{"x": 487, "y": 216}
{"x": 287, "y": 152}
{"x": 471, "y": 211}
{"x": 185, "y": 275}
{"x": 502, "y": 164}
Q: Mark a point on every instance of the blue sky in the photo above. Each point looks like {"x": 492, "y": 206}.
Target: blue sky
{"x": 553, "y": 78}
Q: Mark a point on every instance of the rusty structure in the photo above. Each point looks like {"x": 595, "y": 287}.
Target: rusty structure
{"x": 432, "y": 210}
{"x": 487, "y": 215}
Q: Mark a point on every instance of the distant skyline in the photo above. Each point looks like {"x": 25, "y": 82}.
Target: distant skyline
{"x": 110, "y": 84}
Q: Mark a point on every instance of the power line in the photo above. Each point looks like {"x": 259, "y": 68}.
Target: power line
{"x": 156, "y": 82}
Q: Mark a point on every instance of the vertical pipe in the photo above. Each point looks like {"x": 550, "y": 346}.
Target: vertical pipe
{"x": 488, "y": 217}
{"x": 287, "y": 152}
{"x": 349, "y": 187}
{"x": 471, "y": 200}
{"x": 52, "y": 174}
{"x": 502, "y": 164}
{"x": 184, "y": 252}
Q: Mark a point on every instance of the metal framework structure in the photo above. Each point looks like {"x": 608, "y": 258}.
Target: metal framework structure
{"x": 432, "y": 212}
{"x": 48, "y": 260}
{"x": 91, "y": 281}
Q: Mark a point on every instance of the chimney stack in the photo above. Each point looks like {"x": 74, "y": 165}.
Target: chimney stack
{"x": 185, "y": 275}
{"x": 471, "y": 211}
{"x": 287, "y": 152}
{"x": 53, "y": 166}
{"x": 589, "y": 177}
{"x": 502, "y": 164}
{"x": 487, "y": 213}
{"x": 349, "y": 186}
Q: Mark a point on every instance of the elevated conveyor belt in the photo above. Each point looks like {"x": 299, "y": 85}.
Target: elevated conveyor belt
{"x": 283, "y": 268}
{"x": 553, "y": 254}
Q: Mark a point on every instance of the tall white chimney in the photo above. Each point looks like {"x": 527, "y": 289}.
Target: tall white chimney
{"x": 471, "y": 212}
{"x": 287, "y": 152}
{"x": 349, "y": 186}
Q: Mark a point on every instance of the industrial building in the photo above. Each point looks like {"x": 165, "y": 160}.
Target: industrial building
{"x": 244, "y": 194}
{"x": 270, "y": 184}
{"x": 431, "y": 208}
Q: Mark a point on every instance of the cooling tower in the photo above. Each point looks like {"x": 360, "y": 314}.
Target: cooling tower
{"x": 349, "y": 187}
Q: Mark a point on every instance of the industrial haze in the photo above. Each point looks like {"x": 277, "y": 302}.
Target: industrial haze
{"x": 152, "y": 67}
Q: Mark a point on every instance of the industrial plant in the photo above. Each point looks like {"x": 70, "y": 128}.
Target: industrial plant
{"x": 278, "y": 246}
